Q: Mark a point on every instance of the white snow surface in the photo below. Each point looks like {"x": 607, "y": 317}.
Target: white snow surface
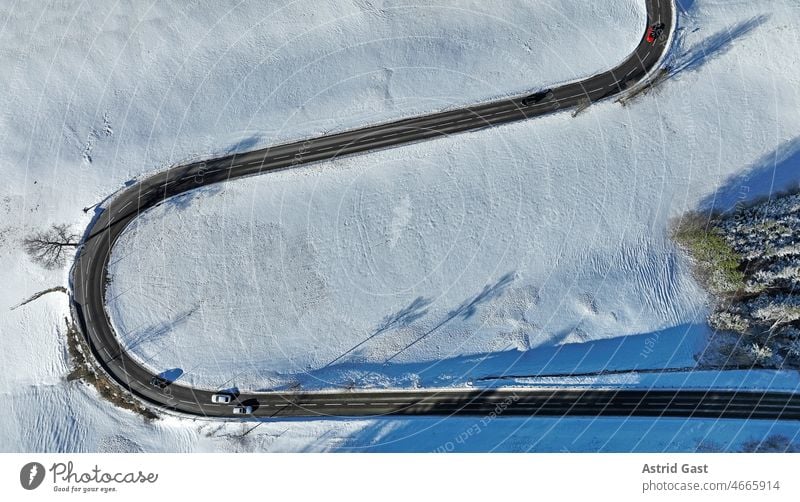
{"x": 404, "y": 268}
{"x": 325, "y": 275}
{"x": 423, "y": 266}
{"x": 98, "y": 93}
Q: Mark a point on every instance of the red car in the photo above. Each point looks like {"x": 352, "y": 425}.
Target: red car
{"x": 654, "y": 32}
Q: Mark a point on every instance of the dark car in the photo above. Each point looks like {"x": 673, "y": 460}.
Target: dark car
{"x": 654, "y": 32}
{"x": 537, "y": 97}
{"x": 159, "y": 382}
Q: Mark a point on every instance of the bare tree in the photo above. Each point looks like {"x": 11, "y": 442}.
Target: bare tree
{"x": 49, "y": 247}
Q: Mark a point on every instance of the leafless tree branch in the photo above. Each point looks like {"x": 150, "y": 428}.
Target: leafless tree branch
{"x": 49, "y": 248}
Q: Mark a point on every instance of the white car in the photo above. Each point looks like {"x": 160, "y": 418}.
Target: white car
{"x": 242, "y": 410}
{"x": 221, "y": 398}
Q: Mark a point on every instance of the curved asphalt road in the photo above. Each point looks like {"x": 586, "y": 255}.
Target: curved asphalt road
{"x": 89, "y": 276}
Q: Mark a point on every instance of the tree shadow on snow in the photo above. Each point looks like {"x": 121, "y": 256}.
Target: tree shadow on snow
{"x": 467, "y": 309}
{"x": 685, "y": 5}
{"x": 400, "y": 319}
{"x": 667, "y": 348}
{"x": 693, "y": 58}
{"x": 775, "y": 172}
{"x": 156, "y": 332}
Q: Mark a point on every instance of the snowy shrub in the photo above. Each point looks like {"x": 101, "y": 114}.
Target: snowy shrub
{"x": 783, "y": 271}
{"x": 717, "y": 262}
{"x": 726, "y": 321}
{"x": 794, "y": 348}
{"x": 752, "y": 251}
{"x": 759, "y": 354}
{"x": 791, "y": 332}
{"x": 775, "y": 309}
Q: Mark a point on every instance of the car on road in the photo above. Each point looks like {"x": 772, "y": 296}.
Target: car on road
{"x": 221, "y": 398}
{"x": 537, "y": 97}
{"x": 654, "y": 32}
{"x": 242, "y": 410}
{"x": 159, "y": 382}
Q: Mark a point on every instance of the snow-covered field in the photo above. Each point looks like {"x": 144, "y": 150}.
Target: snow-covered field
{"x": 522, "y": 243}
{"x": 448, "y": 261}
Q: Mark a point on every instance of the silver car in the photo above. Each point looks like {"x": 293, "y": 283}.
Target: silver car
{"x": 242, "y": 410}
{"x": 221, "y": 398}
